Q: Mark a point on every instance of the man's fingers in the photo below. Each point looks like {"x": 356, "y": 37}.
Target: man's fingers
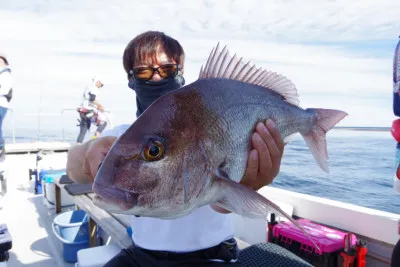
{"x": 109, "y": 141}
{"x": 252, "y": 164}
{"x": 250, "y": 176}
{"x": 276, "y": 147}
{"x": 269, "y": 136}
{"x": 261, "y": 143}
{"x": 87, "y": 169}
{"x": 273, "y": 131}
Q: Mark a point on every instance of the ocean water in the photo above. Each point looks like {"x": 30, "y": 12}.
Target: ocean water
{"x": 361, "y": 169}
{"x": 361, "y": 166}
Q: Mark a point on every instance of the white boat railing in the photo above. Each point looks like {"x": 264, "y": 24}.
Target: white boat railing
{"x": 13, "y": 124}
{"x": 108, "y": 114}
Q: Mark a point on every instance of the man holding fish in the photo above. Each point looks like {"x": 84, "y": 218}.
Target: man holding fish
{"x": 157, "y": 61}
{"x": 192, "y": 156}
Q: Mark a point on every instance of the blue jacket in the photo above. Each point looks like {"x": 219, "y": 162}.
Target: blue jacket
{"x": 396, "y": 80}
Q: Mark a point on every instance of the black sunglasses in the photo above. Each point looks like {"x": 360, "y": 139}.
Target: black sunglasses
{"x": 165, "y": 71}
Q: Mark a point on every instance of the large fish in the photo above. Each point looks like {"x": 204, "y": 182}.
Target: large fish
{"x": 190, "y": 147}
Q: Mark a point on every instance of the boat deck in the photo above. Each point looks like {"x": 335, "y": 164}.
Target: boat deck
{"x": 27, "y": 218}
{"x": 34, "y": 244}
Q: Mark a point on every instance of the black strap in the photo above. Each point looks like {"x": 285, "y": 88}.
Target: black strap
{"x": 226, "y": 251}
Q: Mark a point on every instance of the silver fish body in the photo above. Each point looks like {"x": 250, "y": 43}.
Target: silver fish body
{"x": 190, "y": 147}
{"x": 234, "y": 108}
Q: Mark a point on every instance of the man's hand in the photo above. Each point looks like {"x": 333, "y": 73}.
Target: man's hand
{"x": 264, "y": 159}
{"x": 95, "y": 154}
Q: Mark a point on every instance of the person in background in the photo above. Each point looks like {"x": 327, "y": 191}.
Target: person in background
{"x": 91, "y": 111}
{"x": 396, "y": 134}
{"x": 6, "y": 84}
{"x": 154, "y": 64}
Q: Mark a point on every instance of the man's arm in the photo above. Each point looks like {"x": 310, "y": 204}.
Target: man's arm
{"x": 84, "y": 160}
{"x": 98, "y": 105}
{"x": 75, "y": 163}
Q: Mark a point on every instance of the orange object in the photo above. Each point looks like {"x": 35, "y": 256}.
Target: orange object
{"x": 361, "y": 249}
{"x": 348, "y": 254}
{"x": 348, "y": 259}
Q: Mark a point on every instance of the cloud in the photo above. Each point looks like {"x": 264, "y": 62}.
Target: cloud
{"x": 339, "y": 54}
{"x": 294, "y": 21}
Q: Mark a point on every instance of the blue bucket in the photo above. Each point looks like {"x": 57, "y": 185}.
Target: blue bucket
{"x": 72, "y": 229}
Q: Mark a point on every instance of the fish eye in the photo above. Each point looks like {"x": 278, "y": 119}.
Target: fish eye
{"x": 154, "y": 150}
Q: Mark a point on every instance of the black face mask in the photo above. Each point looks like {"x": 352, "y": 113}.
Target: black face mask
{"x": 149, "y": 91}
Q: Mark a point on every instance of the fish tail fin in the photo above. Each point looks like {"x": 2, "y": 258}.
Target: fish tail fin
{"x": 316, "y": 137}
{"x": 244, "y": 201}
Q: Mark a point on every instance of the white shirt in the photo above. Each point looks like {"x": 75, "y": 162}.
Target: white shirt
{"x": 201, "y": 229}
{"x": 90, "y": 89}
{"x": 6, "y": 83}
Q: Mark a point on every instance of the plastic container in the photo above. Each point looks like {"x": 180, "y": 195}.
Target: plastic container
{"x": 72, "y": 229}
{"x": 96, "y": 256}
{"x": 50, "y": 190}
{"x": 39, "y": 176}
{"x": 330, "y": 241}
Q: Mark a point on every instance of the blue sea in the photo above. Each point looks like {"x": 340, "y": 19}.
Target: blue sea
{"x": 361, "y": 169}
{"x": 361, "y": 166}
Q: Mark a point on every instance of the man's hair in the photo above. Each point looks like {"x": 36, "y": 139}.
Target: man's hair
{"x": 147, "y": 44}
{"x": 4, "y": 59}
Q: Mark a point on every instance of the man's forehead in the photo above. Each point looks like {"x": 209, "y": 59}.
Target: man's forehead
{"x": 162, "y": 57}
{"x": 159, "y": 58}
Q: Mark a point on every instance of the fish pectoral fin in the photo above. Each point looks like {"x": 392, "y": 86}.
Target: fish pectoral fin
{"x": 245, "y": 201}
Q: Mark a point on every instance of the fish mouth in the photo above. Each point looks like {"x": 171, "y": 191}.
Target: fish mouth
{"x": 114, "y": 199}
{"x": 99, "y": 202}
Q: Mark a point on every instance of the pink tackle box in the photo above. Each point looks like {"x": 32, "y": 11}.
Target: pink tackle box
{"x": 330, "y": 241}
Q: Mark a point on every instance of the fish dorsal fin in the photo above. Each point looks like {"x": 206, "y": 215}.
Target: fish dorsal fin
{"x": 221, "y": 65}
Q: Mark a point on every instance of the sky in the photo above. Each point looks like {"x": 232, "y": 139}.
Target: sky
{"x": 339, "y": 54}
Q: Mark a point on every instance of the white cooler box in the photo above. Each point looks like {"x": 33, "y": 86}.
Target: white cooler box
{"x": 96, "y": 256}
{"x": 49, "y": 189}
